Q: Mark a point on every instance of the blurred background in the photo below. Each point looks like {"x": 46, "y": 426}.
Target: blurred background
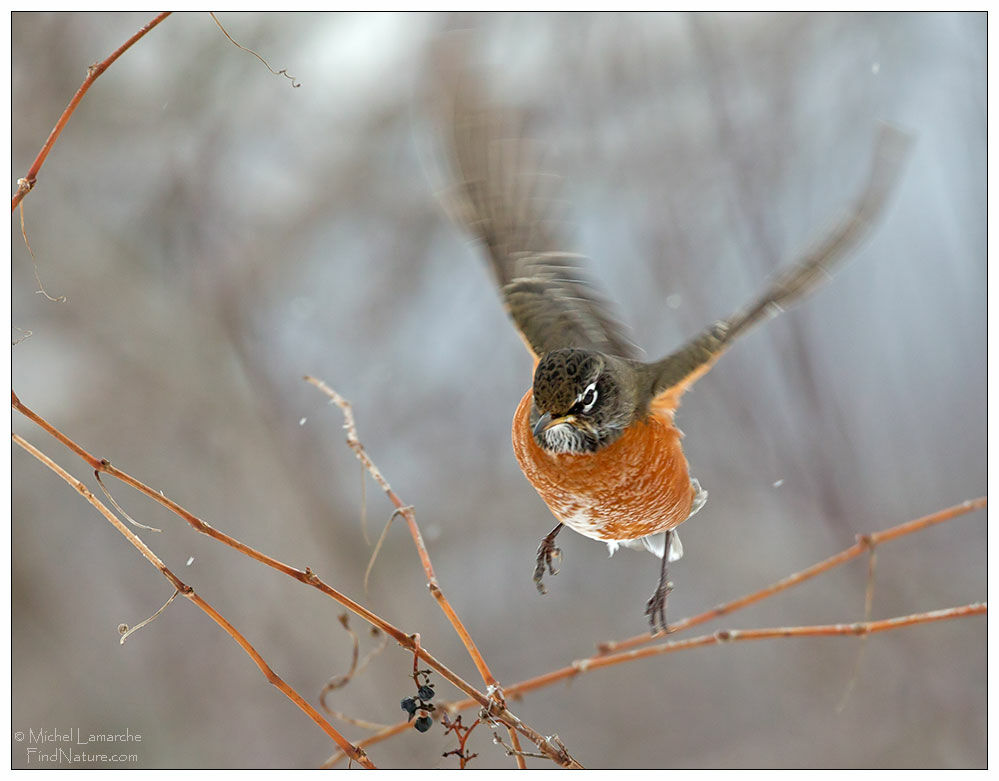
{"x": 218, "y": 233}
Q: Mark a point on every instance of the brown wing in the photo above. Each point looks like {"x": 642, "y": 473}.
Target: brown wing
{"x": 502, "y": 194}
{"x": 671, "y": 376}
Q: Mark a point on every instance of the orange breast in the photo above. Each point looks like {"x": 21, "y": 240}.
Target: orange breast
{"x": 636, "y": 486}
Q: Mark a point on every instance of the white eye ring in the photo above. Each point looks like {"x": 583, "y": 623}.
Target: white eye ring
{"x": 591, "y": 387}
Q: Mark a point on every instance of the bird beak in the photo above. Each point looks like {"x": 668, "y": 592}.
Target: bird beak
{"x": 546, "y": 421}
{"x": 543, "y": 422}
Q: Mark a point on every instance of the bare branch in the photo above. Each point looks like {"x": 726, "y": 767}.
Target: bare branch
{"x": 351, "y": 750}
{"x": 488, "y": 701}
{"x": 863, "y": 544}
{"x": 408, "y": 513}
{"x": 863, "y": 629}
{"x": 718, "y": 638}
{"x": 27, "y": 182}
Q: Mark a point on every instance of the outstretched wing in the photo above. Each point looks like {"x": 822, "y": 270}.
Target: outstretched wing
{"x": 671, "y": 376}
{"x": 503, "y": 196}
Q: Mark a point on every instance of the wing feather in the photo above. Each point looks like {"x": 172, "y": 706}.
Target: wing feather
{"x": 503, "y": 195}
{"x": 673, "y": 375}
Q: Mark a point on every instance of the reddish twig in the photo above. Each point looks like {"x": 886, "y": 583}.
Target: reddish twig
{"x": 718, "y": 638}
{"x": 864, "y": 543}
{"x": 865, "y": 628}
{"x": 555, "y": 753}
{"x": 734, "y": 635}
{"x": 304, "y": 576}
{"x": 462, "y": 733}
{"x": 406, "y": 511}
{"x": 517, "y": 751}
{"x": 378, "y": 737}
{"x": 27, "y": 182}
{"x": 346, "y": 746}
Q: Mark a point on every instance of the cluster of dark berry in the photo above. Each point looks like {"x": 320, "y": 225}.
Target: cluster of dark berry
{"x": 421, "y": 702}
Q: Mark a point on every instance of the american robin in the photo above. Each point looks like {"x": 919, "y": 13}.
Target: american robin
{"x": 595, "y": 434}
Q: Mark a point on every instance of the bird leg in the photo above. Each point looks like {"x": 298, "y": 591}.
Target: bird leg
{"x": 655, "y": 609}
{"x": 548, "y": 556}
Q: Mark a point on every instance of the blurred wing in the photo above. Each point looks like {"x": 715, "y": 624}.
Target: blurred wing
{"x": 502, "y": 195}
{"x": 672, "y": 375}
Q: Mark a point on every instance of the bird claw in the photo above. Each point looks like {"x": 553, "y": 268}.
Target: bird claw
{"x": 655, "y": 608}
{"x": 549, "y": 557}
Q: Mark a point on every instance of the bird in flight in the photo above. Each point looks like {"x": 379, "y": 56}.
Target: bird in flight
{"x": 595, "y": 433}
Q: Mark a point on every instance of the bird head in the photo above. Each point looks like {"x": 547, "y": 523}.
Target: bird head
{"x": 581, "y": 401}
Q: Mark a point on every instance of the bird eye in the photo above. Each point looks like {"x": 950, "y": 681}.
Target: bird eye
{"x": 589, "y": 397}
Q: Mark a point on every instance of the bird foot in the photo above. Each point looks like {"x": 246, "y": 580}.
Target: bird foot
{"x": 655, "y": 608}
{"x": 549, "y": 557}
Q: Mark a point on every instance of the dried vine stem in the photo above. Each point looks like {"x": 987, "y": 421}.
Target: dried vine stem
{"x": 34, "y": 264}
{"x": 865, "y": 542}
{"x": 282, "y": 72}
{"x": 885, "y": 535}
{"x": 357, "y": 665}
{"x": 406, "y": 511}
{"x": 720, "y": 637}
{"x": 734, "y": 635}
{"x": 555, "y": 753}
{"x": 355, "y": 753}
{"x": 27, "y": 182}
{"x": 517, "y": 752}
{"x": 378, "y": 737}
{"x": 864, "y": 628}
{"x": 463, "y": 733}
{"x": 304, "y": 576}
{"x": 127, "y": 631}
{"x": 24, "y": 186}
